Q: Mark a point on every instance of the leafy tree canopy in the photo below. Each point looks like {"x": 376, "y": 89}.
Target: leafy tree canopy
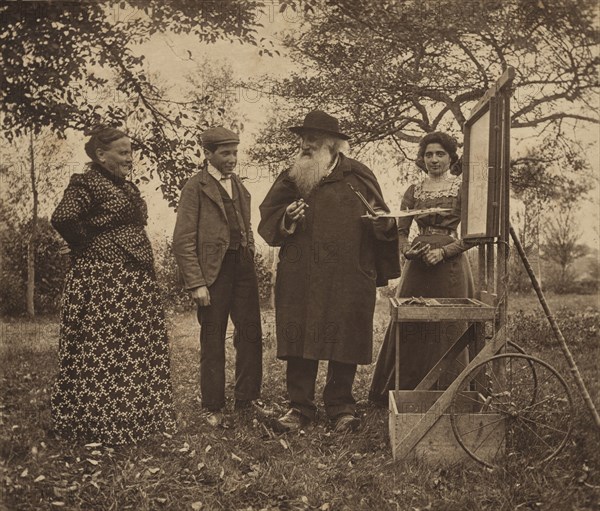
{"x": 50, "y": 50}
{"x": 395, "y": 70}
{"x": 58, "y": 57}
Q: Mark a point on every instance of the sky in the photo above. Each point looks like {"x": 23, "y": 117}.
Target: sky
{"x": 174, "y": 56}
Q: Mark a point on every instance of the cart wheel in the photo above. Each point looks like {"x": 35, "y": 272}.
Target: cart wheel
{"x": 522, "y": 413}
{"x": 513, "y": 346}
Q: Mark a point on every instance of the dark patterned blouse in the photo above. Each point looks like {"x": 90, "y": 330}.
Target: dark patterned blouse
{"x": 103, "y": 217}
{"x": 417, "y": 198}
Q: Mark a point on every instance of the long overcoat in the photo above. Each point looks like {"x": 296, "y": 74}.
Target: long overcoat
{"x": 327, "y": 269}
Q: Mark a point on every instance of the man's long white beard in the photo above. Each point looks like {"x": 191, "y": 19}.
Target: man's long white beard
{"x": 307, "y": 171}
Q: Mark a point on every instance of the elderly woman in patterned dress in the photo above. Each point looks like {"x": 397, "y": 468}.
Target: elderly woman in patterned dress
{"x": 114, "y": 381}
{"x": 436, "y": 268}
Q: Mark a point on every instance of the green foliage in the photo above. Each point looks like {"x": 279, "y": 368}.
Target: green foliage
{"x": 50, "y": 268}
{"x": 48, "y": 50}
{"x": 58, "y": 58}
{"x": 175, "y": 298}
{"x": 555, "y": 171}
{"x": 562, "y": 247}
{"x": 532, "y": 331}
{"x": 265, "y": 278}
{"x": 395, "y": 70}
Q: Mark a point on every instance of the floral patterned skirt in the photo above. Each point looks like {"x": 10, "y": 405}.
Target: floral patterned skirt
{"x": 114, "y": 381}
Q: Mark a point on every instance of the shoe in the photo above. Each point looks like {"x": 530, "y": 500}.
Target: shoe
{"x": 345, "y": 423}
{"x": 293, "y": 420}
{"x": 215, "y": 419}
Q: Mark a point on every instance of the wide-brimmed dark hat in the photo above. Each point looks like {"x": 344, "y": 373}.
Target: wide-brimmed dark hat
{"x": 320, "y": 121}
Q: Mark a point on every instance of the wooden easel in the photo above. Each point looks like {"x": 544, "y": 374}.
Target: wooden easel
{"x": 490, "y": 303}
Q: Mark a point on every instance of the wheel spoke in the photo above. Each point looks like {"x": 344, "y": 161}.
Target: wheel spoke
{"x": 535, "y": 433}
{"x": 537, "y": 403}
{"x": 479, "y": 428}
{"x": 542, "y": 425}
{"x": 536, "y": 410}
{"x": 488, "y": 435}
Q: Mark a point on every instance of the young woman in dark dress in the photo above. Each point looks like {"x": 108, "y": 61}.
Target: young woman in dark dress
{"x": 114, "y": 382}
{"x": 436, "y": 267}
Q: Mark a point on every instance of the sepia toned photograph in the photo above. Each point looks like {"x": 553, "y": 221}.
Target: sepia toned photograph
{"x": 292, "y": 255}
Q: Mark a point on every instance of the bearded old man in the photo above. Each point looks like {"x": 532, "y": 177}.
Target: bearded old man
{"x": 331, "y": 259}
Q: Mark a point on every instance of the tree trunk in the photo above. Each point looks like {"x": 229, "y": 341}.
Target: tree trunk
{"x": 33, "y": 235}
{"x": 539, "y": 255}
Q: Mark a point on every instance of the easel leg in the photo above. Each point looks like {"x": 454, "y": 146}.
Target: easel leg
{"x": 397, "y": 364}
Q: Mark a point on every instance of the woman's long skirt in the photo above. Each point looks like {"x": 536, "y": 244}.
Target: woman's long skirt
{"x": 114, "y": 381}
{"x": 422, "y": 344}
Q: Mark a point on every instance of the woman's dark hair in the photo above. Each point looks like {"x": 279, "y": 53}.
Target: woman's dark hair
{"x": 447, "y": 142}
{"x": 101, "y": 136}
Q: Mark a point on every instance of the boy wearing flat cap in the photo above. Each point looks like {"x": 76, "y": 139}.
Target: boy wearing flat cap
{"x": 214, "y": 249}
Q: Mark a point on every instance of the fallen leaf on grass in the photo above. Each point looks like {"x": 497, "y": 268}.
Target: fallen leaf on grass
{"x": 201, "y": 466}
{"x": 58, "y": 503}
{"x": 167, "y": 435}
{"x": 208, "y": 448}
{"x": 321, "y": 466}
{"x": 93, "y": 444}
{"x": 586, "y": 472}
{"x": 34, "y": 450}
{"x": 283, "y": 443}
{"x": 236, "y": 458}
{"x": 185, "y": 448}
{"x": 39, "y": 478}
{"x": 325, "y": 507}
{"x": 304, "y": 499}
{"x": 154, "y": 470}
{"x": 196, "y": 506}
{"x": 24, "y": 473}
{"x": 161, "y": 500}
{"x": 93, "y": 462}
{"x": 222, "y": 474}
{"x": 61, "y": 492}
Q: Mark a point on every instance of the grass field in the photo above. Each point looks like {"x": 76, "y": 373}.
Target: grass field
{"x": 249, "y": 467}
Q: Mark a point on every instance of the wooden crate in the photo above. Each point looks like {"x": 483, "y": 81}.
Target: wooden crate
{"x": 439, "y": 446}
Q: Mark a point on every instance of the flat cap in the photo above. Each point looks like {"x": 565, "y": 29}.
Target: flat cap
{"x": 218, "y": 136}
